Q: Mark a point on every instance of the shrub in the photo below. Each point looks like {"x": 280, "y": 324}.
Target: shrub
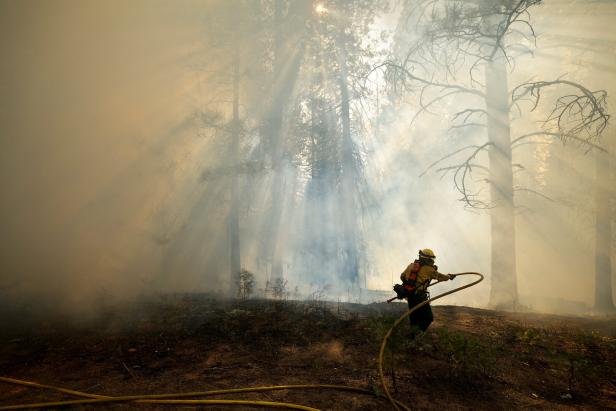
{"x": 246, "y": 284}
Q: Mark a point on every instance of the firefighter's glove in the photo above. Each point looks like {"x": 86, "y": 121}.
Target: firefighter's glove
{"x": 451, "y": 276}
{"x": 400, "y": 291}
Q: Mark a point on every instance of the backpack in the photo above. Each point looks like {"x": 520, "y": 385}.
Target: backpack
{"x": 410, "y": 284}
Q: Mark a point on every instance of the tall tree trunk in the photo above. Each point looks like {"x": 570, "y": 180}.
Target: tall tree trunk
{"x": 316, "y": 233}
{"x": 235, "y": 262}
{"x": 287, "y": 62}
{"x": 276, "y": 152}
{"x": 603, "y": 234}
{"x": 349, "y": 179}
{"x": 504, "y": 290}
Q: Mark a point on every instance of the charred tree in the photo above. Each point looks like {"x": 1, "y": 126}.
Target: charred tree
{"x": 503, "y": 290}
{"x": 235, "y": 260}
{"x": 350, "y": 263}
{"x": 603, "y": 234}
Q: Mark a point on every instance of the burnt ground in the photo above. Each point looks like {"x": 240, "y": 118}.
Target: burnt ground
{"x": 469, "y": 359}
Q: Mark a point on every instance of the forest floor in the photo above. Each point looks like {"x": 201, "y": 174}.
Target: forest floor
{"x": 469, "y": 359}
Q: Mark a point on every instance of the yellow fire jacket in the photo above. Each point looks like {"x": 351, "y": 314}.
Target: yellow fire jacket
{"x": 425, "y": 274}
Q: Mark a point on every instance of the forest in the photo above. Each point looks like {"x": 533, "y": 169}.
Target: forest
{"x": 211, "y": 204}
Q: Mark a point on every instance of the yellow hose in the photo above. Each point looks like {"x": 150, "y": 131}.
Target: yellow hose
{"x": 269, "y": 404}
{"x": 161, "y": 398}
{"x": 172, "y": 398}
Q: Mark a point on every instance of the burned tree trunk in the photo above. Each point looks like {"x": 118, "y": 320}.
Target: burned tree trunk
{"x": 603, "y": 234}
{"x": 503, "y": 290}
{"x": 235, "y": 262}
{"x": 349, "y": 178}
{"x": 277, "y": 152}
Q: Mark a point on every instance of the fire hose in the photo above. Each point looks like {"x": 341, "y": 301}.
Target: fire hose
{"x": 176, "y": 398}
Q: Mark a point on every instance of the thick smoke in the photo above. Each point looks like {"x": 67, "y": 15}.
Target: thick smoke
{"x": 115, "y": 167}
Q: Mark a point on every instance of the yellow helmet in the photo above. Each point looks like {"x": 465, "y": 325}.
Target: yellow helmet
{"x": 427, "y": 253}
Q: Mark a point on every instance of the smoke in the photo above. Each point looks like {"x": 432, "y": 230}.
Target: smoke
{"x": 96, "y": 105}
{"x": 115, "y": 166}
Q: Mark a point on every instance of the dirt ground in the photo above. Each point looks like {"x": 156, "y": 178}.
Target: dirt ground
{"x": 469, "y": 359}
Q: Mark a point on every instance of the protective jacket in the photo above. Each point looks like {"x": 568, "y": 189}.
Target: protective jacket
{"x": 417, "y": 276}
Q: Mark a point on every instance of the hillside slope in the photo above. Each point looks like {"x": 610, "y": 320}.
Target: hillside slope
{"x": 469, "y": 359}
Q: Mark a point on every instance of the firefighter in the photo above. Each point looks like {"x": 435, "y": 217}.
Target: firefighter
{"x": 415, "y": 281}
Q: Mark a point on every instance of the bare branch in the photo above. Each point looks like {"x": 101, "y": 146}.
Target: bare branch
{"x": 514, "y": 16}
{"x": 458, "y": 126}
{"x": 405, "y": 75}
{"x": 445, "y": 158}
{"x": 469, "y": 112}
{"x": 591, "y": 146}
{"x": 581, "y": 116}
{"x": 472, "y": 165}
{"x": 461, "y": 174}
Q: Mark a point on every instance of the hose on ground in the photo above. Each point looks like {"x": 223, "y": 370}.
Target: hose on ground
{"x": 174, "y": 398}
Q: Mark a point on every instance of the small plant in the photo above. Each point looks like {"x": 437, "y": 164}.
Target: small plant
{"x": 529, "y": 339}
{"x": 530, "y": 336}
{"x": 246, "y": 284}
{"x": 466, "y": 355}
{"x": 320, "y": 292}
{"x": 396, "y": 344}
{"x": 280, "y": 289}
{"x": 317, "y": 298}
{"x": 585, "y": 361}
